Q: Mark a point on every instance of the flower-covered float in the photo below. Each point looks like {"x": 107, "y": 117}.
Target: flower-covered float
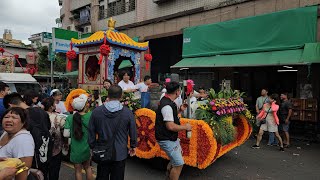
{"x": 224, "y": 125}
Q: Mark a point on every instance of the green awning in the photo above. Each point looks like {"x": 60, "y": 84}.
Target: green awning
{"x": 71, "y": 74}
{"x": 283, "y": 30}
{"x": 125, "y": 64}
{"x": 310, "y": 54}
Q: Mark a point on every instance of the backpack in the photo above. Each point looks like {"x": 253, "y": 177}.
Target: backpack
{"x": 39, "y": 126}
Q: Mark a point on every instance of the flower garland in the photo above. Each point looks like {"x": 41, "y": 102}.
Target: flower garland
{"x": 189, "y": 146}
{"x": 147, "y": 145}
{"x": 73, "y": 94}
{"x": 207, "y": 145}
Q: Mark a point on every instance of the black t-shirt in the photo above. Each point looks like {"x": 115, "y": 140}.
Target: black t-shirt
{"x": 285, "y": 106}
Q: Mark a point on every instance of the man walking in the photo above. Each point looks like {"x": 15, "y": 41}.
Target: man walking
{"x": 167, "y": 128}
{"x": 112, "y": 123}
{"x": 285, "y": 114}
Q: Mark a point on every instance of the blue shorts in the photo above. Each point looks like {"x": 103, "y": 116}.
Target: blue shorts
{"x": 285, "y": 127}
{"x": 173, "y": 150}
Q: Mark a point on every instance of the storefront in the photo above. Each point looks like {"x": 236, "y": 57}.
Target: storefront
{"x": 278, "y": 51}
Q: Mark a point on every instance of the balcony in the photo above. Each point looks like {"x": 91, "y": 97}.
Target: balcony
{"x": 117, "y": 8}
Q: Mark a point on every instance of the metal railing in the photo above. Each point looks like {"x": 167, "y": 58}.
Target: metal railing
{"x": 117, "y": 8}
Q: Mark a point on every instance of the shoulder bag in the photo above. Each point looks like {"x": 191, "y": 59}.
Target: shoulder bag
{"x": 105, "y": 151}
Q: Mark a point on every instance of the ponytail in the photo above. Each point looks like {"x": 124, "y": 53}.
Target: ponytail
{"x": 77, "y": 126}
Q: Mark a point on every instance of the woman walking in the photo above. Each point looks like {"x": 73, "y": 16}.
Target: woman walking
{"x": 57, "y": 122}
{"x": 76, "y": 127}
{"x": 269, "y": 115}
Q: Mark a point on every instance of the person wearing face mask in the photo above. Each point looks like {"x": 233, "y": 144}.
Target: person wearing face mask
{"x": 4, "y": 90}
{"x": 16, "y": 141}
{"x": 125, "y": 83}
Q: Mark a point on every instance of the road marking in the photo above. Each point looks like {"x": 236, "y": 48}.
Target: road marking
{"x": 70, "y": 165}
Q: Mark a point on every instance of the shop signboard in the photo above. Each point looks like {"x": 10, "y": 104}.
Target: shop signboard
{"x": 61, "y": 39}
{"x": 46, "y": 37}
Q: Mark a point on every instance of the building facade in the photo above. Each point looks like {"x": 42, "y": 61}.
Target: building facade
{"x": 14, "y": 46}
{"x": 161, "y": 22}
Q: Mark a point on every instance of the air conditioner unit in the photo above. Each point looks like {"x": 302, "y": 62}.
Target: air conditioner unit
{"x": 160, "y": 1}
{"x": 87, "y": 29}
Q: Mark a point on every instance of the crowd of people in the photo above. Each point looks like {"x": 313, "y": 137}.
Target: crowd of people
{"x": 273, "y": 115}
{"x": 39, "y": 131}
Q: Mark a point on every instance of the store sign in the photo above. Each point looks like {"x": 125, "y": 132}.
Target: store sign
{"x": 46, "y": 37}
{"x": 51, "y": 54}
{"x": 61, "y": 39}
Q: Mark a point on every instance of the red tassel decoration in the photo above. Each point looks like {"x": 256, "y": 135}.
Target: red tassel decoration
{"x": 69, "y": 65}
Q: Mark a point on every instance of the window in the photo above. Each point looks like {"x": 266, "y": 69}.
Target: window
{"x": 102, "y": 12}
{"x": 120, "y": 7}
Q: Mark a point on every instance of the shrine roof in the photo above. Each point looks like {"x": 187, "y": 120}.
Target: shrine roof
{"x": 113, "y": 37}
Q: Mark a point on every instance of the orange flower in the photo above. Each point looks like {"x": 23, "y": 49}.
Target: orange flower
{"x": 147, "y": 145}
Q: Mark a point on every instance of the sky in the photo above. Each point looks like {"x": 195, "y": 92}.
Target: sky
{"x": 26, "y": 17}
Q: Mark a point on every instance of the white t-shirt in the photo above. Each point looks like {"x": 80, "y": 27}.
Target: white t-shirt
{"x": 167, "y": 113}
{"x": 22, "y": 145}
{"x": 61, "y": 108}
{"x": 126, "y": 86}
{"x": 178, "y": 101}
{"x": 141, "y": 87}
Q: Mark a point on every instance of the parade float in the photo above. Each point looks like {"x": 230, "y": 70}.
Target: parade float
{"x": 101, "y": 54}
{"x": 222, "y": 123}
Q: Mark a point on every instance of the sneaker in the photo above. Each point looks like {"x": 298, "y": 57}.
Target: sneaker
{"x": 255, "y": 147}
{"x": 281, "y": 149}
{"x": 269, "y": 144}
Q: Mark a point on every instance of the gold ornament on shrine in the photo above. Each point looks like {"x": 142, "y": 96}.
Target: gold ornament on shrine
{"x": 111, "y": 23}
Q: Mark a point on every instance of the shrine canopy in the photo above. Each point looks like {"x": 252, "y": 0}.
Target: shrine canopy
{"x": 113, "y": 37}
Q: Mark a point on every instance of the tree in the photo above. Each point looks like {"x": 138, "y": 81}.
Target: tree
{"x": 43, "y": 65}
{"x": 60, "y": 63}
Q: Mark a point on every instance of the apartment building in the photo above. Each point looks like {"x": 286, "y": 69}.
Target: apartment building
{"x": 162, "y": 23}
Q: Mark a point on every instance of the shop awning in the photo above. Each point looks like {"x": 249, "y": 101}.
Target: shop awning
{"x": 310, "y": 54}
{"x": 283, "y": 30}
{"x": 71, "y": 74}
{"x": 125, "y": 64}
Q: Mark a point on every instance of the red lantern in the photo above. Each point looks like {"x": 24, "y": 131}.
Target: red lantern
{"x": 16, "y": 56}
{"x": 148, "y": 59}
{"x": 104, "y": 51}
{"x": 71, "y": 55}
{"x": 2, "y": 50}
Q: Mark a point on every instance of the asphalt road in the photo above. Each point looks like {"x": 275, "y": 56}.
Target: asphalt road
{"x": 300, "y": 161}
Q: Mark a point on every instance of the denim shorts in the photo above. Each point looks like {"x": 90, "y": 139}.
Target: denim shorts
{"x": 173, "y": 150}
{"x": 285, "y": 127}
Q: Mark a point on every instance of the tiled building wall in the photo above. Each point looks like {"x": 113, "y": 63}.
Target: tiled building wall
{"x": 75, "y": 4}
{"x": 246, "y": 9}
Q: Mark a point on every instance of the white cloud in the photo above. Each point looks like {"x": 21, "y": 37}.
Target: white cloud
{"x": 26, "y": 17}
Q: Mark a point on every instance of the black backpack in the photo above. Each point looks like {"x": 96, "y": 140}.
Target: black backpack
{"x": 39, "y": 126}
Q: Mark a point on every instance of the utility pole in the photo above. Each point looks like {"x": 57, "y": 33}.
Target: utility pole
{"x": 94, "y": 15}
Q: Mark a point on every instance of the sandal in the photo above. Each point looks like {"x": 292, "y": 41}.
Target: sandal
{"x": 286, "y": 145}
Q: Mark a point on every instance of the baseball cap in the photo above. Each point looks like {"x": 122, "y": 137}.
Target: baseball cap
{"x": 79, "y": 102}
